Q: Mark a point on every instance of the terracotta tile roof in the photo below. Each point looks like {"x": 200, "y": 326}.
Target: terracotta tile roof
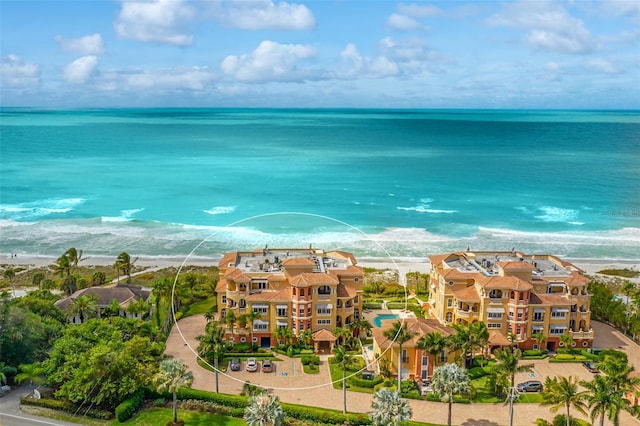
{"x": 343, "y": 254}
{"x": 298, "y": 261}
{"x": 226, "y": 259}
{"x": 346, "y": 291}
{"x": 283, "y": 295}
{"x": 324, "y": 335}
{"x": 437, "y": 259}
{"x": 548, "y": 299}
{"x": 516, "y": 265}
{"x": 468, "y": 294}
{"x": 276, "y": 278}
{"x": 577, "y": 278}
{"x": 237, "y": 275}
{"x": 310, "y": 278}
{"x": 420, "y": 326}
{"x": 498, "y": 339}
{"x": 221, "y": 286}
{"x": 511, "y": 283}
{"x": 351, "y": 270}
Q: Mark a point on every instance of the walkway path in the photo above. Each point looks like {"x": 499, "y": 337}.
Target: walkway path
{"x": 314, "y": 390}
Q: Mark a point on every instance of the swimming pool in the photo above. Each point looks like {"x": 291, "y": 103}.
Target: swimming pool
{"x": 381, "y": 317}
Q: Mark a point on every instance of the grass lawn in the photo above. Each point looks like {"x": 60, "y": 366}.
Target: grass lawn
{"x": 336, "y": 376}
{"x": 530, "y": 397}
{"x": 483, "y": 391}
{"x": 160, "y": 416}
{"x": 200, "y": 307}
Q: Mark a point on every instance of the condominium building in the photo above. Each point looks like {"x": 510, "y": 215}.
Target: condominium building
{"x": 518, "y": 296}
{"x": 299, "y": 289}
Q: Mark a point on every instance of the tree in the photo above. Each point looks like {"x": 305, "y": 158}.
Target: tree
{"x": 603, "y": 400}
{"x": 213, "y": 346}
{"x": 37, "y": 279}
{"x": 264, "y": 410}
{"x": 507, "y": 366}
{"x": 9, "y": 274}
{"x": 449, "y": 380}
{"x": 4, "y": 370}
{"x": 31, "y": 372}
{"x": 84, "y": 307}
{"x": 389, "y": 408}
{"x": 230, "y": 320}
{"x": 540, "y": 339}
{"x": 98, "y": 278}
{"x": 124, "y": 264}
{"x": 357, "y": 327}
{"x": 433, "y": 343}
{"x": 74, "y": 257}
{"x": 62, "y": 267}
{"x": 567, "y": 340}
{"x": 563, "y": 393}
{"x": 344, "y": 360}
{"x": 173, "y": 375}
{"x": 305, "y": 337}
{"x": 461, "y": 341}
{"x": 401, "y": 334}
{"x": 479, "y": 336}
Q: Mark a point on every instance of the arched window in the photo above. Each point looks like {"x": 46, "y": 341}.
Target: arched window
{"x": 324, "y": 289}
{"x": 449, "y": 317}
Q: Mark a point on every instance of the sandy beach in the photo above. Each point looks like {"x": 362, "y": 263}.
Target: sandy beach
{"x": 589, "y": 266}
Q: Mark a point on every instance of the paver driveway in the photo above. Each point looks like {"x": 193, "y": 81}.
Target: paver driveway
{"x": 315, "y": 390}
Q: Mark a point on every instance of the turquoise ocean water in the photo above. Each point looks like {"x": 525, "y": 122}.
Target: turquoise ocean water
{"x": 157, "y": 182}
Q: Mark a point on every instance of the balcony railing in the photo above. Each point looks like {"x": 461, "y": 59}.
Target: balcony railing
{"x": 582, "y": 334}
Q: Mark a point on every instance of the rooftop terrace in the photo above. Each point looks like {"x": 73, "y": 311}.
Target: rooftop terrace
{"x": 272, "y": 260}
{"x": 487, "y": 263}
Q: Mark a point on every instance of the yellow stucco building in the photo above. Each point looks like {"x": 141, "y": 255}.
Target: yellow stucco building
{"x": 299, "y": 289}
{"x": 515, "y": 294}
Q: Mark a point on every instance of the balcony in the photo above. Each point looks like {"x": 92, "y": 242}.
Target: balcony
{"x": 465, "y": 313}
{"x": 495, "y": 300}
{"x": 582, "y": 334}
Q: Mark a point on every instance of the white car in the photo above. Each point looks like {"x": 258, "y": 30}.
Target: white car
{"x": 252, "y": 364}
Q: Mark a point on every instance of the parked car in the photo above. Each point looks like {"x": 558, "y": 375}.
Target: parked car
{"x": 591, "y": 366}
{"x": 529, "y": 386}
{"x": 234, "y": 365}
{"x": 423, "y": 387}
{"x": 252, "y": 364}
{"x": 267, "y": 366}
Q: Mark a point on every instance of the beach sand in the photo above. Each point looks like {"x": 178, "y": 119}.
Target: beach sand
{"x": 589, "y": 266}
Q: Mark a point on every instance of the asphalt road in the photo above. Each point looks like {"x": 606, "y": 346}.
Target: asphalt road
{"x": 10, "y": 414}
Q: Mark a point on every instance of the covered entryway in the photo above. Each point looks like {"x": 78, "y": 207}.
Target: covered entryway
{"x": 497, "y": 340}
{"x": 324, "y": 341}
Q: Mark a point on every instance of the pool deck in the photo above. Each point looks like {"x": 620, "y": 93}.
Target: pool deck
{"x": 370, "y": 315}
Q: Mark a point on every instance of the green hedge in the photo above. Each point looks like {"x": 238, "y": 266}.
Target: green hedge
{"x": 57, "y": 404}
{"x": 235, "y": 401}
{"x": 324, "y": 416}
{"x": 372, "y": 306}
{"x": 127, "y": 408}
{"x": 364, "y": 383}
{"x": 310, "y": 360}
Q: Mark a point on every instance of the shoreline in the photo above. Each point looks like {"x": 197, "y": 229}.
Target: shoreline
{"x": 589, "y": 265}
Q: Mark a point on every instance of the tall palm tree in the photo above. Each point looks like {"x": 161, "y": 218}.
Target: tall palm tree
{"x": 563, "y": 393}
{"x": 478, "y": 336}
{"x": 251, "y": 317}
{"x": 213, "y": 346}
{"x": 449, "y": 380}
{"x": 74, "y": 257}
{"x": 341, "y": 333}
{"x": 433, "y": 343}
{"x": 461, "y": 341}
{"x": 264, "y": 410}
{"x": 401, "y": 334}
{"x": 230, "y": 320}
{"x": 344, "y": 360}
{"x": 124, "y": 264}
{"x": 84, "y": 306}
{"x": 62, "y": 267}
{"x": 567, "y": 340}
{"x": 603, "y": 401}
{"x": 357, "y": 327}
{"x": 37, "y": 279}
{"x": 389, "y": 408}
{"x": 540, "y": 339}
{"x": 31, "y": 372}
{"x": 507, "y": 366}
{"x": 173, "y": 375}
{"x": 305, "y": 337}
{"x": 9, "y": 274}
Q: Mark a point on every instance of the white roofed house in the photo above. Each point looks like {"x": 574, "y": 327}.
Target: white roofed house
{"x": 132, "y": 301}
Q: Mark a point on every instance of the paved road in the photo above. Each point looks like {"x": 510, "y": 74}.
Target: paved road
{"x": 10, "y": 414}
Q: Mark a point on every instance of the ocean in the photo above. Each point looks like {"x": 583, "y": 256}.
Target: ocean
{"x": 380, "y": 183}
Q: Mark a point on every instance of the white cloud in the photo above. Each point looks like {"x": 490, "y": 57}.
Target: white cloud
{"x": 419, "y": 10}
{"x": 602, "y": 66}
{"x": 628, "y": 8}
{"x": 551, "y": 27}
{"x": 265, "y": 14}
{"x": 355, "y": 65}
{"x": 87, "y": 45}
{"x": 14, "y": 72}
{"x": 554, "y": 71}
{"x": 402, "y": 22}
{"x": 271, "y": 61}
{"x": 192, "y": 79}
{"x": 158, "y": 21}
{"x": 81, "y": 70}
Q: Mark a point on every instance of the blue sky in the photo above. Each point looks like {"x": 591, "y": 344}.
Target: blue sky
{"x": 322, "y": 53}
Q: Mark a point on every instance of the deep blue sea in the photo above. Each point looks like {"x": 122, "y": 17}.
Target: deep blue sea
{"x": 410, "y": 183}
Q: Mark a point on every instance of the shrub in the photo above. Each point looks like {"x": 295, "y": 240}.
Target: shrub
{"x": 372, "y": 306}
{"x": 66, "y": 406}
{"x": 434, "y": 397}
{"x": 365, "y": 383}
{"x": 310, "y": 360}
{"x": 219, "y": 398}
{"x": 159, "y": 402}
{"x": 127, "y": 408}
{"x": 324, "y": 416}
{"x": 477, "y": 372}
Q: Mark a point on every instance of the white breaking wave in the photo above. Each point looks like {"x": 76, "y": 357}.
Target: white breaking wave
{"x": 40, "y": 208}
{"x": 556, "y": 214}
{"x": 220, "y": 210}
{"x": 125, "y": 216}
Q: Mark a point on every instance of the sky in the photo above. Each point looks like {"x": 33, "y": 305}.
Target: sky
{"x": 531, "y": 54}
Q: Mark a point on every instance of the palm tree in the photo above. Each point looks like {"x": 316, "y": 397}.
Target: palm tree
{"x": 9, "y": 274}
{"x": 433, "y": 343}
{"x": 449, "y": 380}
{"x": 264, "y": 410}
{"x": 279, "y": 333}
{"x": 305, "y": 337}
{"x": 84, "y": 307}
{"x": 124, "y": 264}
{"x": 401, "y": 334}
{"x": 540, "y": 339}
{"x": 357, "y": 327}
{"x": 507, "y": 367}
{"x": 461, "y": 341}
{"x": 4, "y": 370}
{"x": 63, "y": 267}
{"x": 563, "y": 392}
{"x": 344, "y": 360}
{"x": 341, "y": 333}
{"x": 37, "y": 279}
{"x": 567, "y": 340}
{"x": 389, "y": 408}
{"x": 74, "y": 257}
{"x": 251, "y": 317}
{"x": 602, "y": 400}
{"x": 478, "y": 336}
{"x": 173, "y": 375}
{"x": 230, "y": 320}
{"x": 213, "y": 346}
{"x": 32, "y": 372}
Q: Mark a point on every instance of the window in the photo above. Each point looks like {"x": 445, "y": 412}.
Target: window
{"x": 259, "y": 285}
{"x": 309, "y": 311}
{"x": 224, "y": 299}
{"x": 495, "y": 294}
{"x": 557, "y": 331}
{"x": 558, "y": 313}
{"x": 494, "y": 325}
{"x": 282, "y": 312}
{"x": 260, "y": 325}
{"x": 443, "y": 356}
{"x": 243, "y": 339}
{"x": 355, "y": 300}
{"x": 494, "y": 315}
{"x": 356, "y": 279}
{"x": 449, "y": 302}
{"x": 538, "y": 316}
{"x": 519, "y": 315}
{"x": 323, "y": 311}
{"x": 302, "y": 311}
{"x": 450, "y": 282}
{"x": 262, "y": 309}
{"x": 301, "y": 326}
{"x": 424, "y": 371}
{"x": 324, "y": 289}
{"x": 324, "y": 322}
{"x": 449, "y": 317}
{"x": 405, "y": 357}
{"x": 510, "y": 315}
